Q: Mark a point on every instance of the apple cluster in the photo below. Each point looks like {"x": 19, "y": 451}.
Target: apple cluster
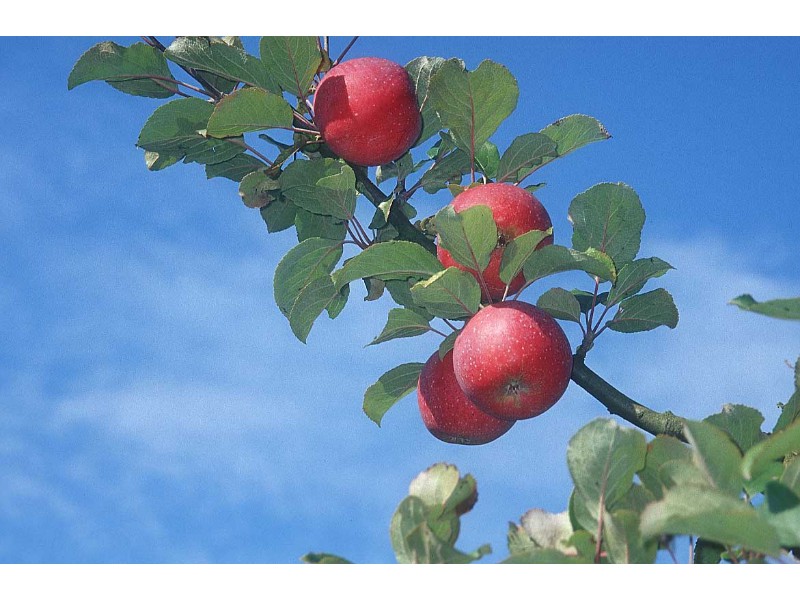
{"x": 511, "y": 360}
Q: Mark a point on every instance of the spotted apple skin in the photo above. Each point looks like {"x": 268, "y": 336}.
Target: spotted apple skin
{"x": 446, "y": 411}
{"x": 515, "y": 211}
{"x": 512, "y": 360}
{"x": 367, "y": 111}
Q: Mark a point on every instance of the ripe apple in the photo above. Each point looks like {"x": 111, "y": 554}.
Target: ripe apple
{"x": 367, "y": 111}
{"x": 445, "y": 410}
{"x": 515, "y": 211}
{"x": 512, "y": 360}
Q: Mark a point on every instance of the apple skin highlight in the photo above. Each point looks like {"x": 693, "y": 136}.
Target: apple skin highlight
{"x": 367, "y": 111}
{"x": 512, "y": 360}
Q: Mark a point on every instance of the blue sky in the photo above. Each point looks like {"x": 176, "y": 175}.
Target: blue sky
{"x": 157, "y": 408}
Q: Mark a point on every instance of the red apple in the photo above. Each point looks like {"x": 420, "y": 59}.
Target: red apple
{"x": 512, "y": 360}
{"x": 367, "y": 111}
{"x": 445, "y": 410}
{"x": 515, "y": 211}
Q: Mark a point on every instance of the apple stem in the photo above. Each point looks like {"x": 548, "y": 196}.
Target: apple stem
{"x": 345, "y": 51}
{"x": 619, "y": 404}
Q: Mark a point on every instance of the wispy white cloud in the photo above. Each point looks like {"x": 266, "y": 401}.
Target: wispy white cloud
{"x": 191, "y": 392}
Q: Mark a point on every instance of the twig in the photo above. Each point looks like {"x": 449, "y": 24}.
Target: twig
{"x": 345, "y": 51}
{"x": 397, "y": 219}
{"x": 617, "y": 403}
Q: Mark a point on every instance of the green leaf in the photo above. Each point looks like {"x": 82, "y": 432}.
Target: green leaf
{"x": 389, "y": 260}
{"x": 609, "y": 217}
{"x": 518, "y": 251}
{"x": 741, "y": 423}
{"x": 661, "y": 450}
{"x": 470, "y": 235}
{"x": 602, "y": 459}
{"x": 324, "y": 558}
{"x": 707, "y": 553}
{"x": 447, "y": 344}
{"x": 402, "y": 323}
{"x": 249, "y": 109}
{"x": 414, "y": 542}
{"x": 645, "y": 312}
{"x": 447, "y": 495}
{"x": 236, "y": 168}
{"x": 279, "y": 215}
{"x": 323, "y": 186}
{"x": 436, "y": 484}
{"x": 421, "y": 70}
{"x": 310, "y": 225}
{"x": 472, "y": 105}
{"x": 715, "y": 456}
{"x": 312, "y": 300}
{"x": 623, "y": 541}
{"x": 488, "y": 158}
{"x": 573, "y": 132}
{"x": 560, "y": 304}
{"x": 392, "y": 386}
{"x": 525, "y": 155}
{"x": 450, "y": 169}
{"x": 791, "y": 476}
{"x": 547, "y": 530}
{"x": 399, "y": 169}
{"x": 123, "y": 68}
{"x": 156, "y": 161}
{"x": 633, "y": 276}
{"x": 543, "y": 556}
{"x": 257, "y": 189}
{"x": 557, "y": 259}
{"x": 781, "y": 509}
{"x": 790, "y": 412}
{"x": 177, "y": 128}
{"x": 450, "y": 294}
{"x": 585, "y": 299}
{"x": 302, "y": 284}
{"x": 786, "y": 308}
{"x": 774, "y": 448}
{"x": 221, "y": 59}
{"x": 292, "y": 61}
{"x": 339, "y": 301}
{"x": 712, "y": 515}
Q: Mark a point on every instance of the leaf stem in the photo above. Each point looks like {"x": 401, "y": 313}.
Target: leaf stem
{"x": 158, "y": 79}
{"x": 619, "y": 404}
{"x": 210, "y": 89}
{"x": 361, "y": 230}
{"x": 356, "y": 238}
{"x": 450, "y": 325}
{"x": 247, "y": 146}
